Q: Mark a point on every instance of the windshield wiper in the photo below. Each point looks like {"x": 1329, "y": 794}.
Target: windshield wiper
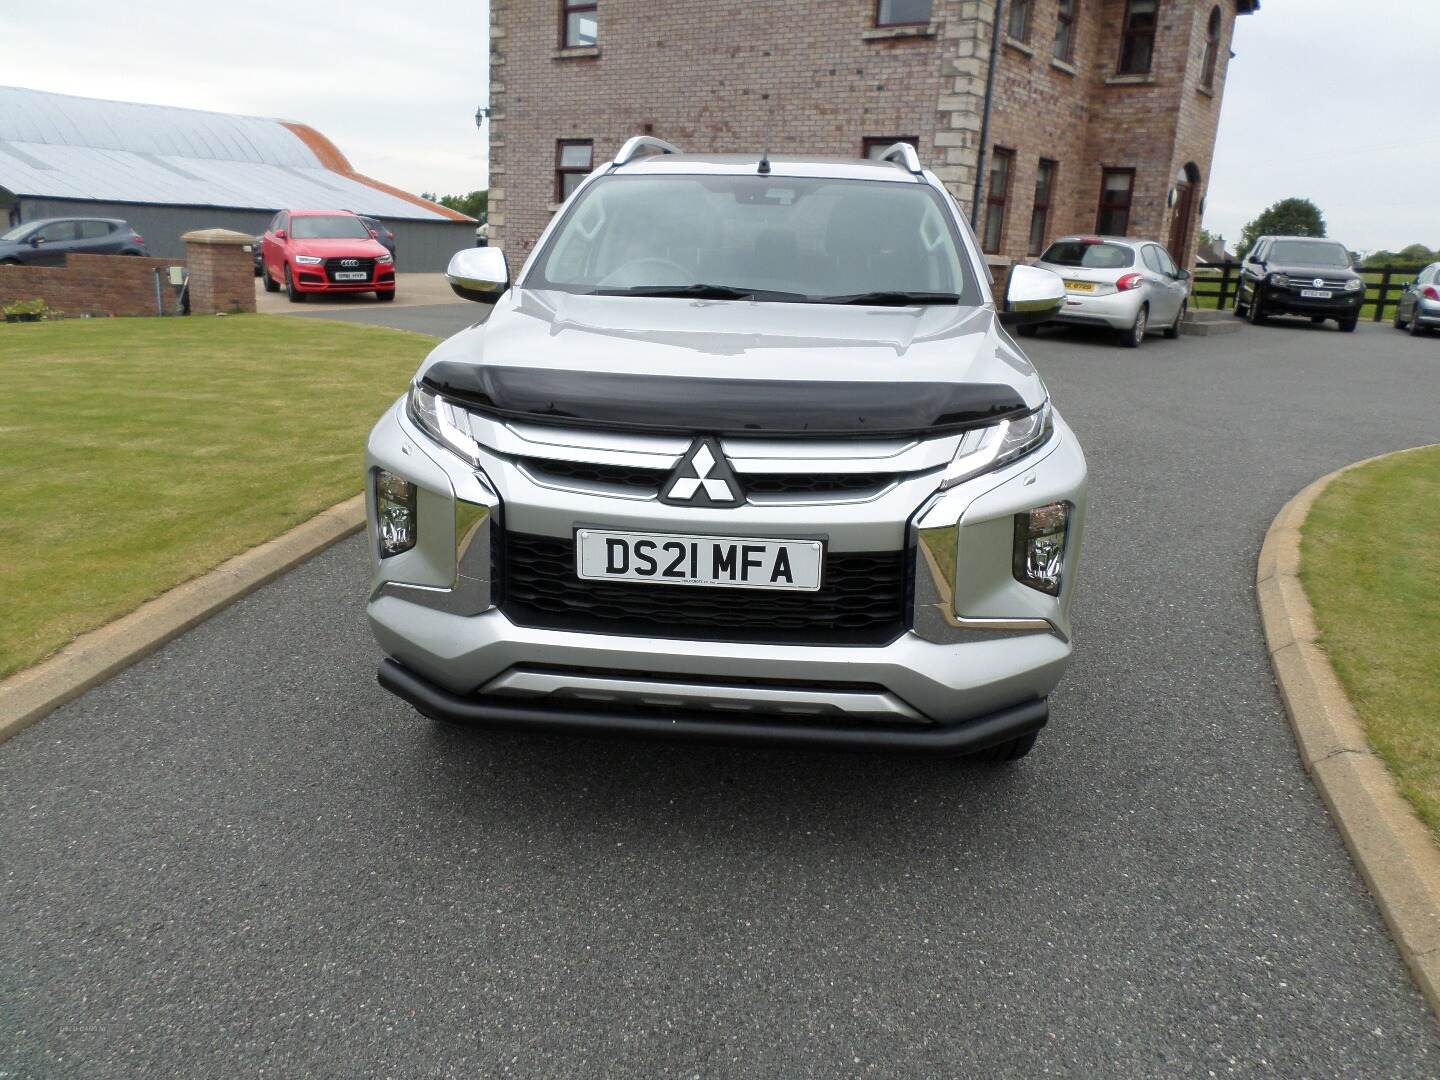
{"x": 889, "y": 298}
{"x": 699, "y": 292}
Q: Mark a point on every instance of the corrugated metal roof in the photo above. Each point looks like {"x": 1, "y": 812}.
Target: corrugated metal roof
{"x": 63, "y": 147}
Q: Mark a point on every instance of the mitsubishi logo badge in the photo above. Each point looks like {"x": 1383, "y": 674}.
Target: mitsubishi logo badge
{"x": 703, "y": 478}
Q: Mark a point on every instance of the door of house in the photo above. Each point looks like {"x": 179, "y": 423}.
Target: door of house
{"x": 1180, "y": 225}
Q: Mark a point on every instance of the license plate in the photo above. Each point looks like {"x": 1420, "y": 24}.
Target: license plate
{"x": 715, "y": 561}
{"x": 1316, "y": 294}
{"x": 350, "y": 275}
{"x": 1080, "y": 286}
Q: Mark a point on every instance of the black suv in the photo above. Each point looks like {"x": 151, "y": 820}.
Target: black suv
{"x": 47, "y": 241}
{"x": 1300, "y": 275}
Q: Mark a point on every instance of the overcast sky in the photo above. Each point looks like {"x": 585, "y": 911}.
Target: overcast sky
{"x": 1321, "y": 99}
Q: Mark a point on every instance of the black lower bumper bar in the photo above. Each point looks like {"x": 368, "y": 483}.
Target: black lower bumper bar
{"x": 964, "y": 738}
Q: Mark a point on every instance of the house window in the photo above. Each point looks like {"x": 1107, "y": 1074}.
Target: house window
{"x": 1018, "y": 26}
{"x": 1116, "y": 186}
{"x": 997, "y": 191}
{"x": 1065, "y": 31}
{"x": 572, "y": 164}
{"x": 1212, "y": 50}
{"x": 579, "y": 23}
{"x": 902, "y": 12}
{"x": 1040, "y": 216}
{"x": 1137, "y": 45}
{"x": 873, "y": 146}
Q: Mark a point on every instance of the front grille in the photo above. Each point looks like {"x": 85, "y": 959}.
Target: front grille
{"x": 818, "y": 484}
{"x": 650, "y": 480}
{"x": 1337, "y": 284}
{"x": 333, "y": 266}
{"x": 861, "y": 601}
{"x": 588, "y": 472}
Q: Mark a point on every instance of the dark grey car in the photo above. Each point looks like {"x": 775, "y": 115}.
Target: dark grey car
{"x": 382, "y": 232}
{"x": 46, "y": 242}
{"x": 1419, "y": 306}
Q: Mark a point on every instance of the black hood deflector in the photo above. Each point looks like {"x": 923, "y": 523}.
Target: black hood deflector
{"x": 679, "y": 404}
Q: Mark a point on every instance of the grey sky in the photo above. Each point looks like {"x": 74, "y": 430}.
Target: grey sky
{"x": 1320, "y": 99}
{"x": 1323, "y": 101}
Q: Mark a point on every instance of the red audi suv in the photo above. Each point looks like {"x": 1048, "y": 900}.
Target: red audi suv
{"x": 324, "y": 251}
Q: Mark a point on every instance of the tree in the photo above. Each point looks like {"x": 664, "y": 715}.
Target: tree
{"x": 1288, "y": 217}
{"x": 475, "y": 205}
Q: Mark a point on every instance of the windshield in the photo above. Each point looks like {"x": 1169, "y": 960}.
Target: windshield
{"x": 1309, "y": 253}
{"x": 1089, "y": 253}
{"x": 17, "y": 232}
{"x": 327, "y": 227}
{"x": 797, "y": 239}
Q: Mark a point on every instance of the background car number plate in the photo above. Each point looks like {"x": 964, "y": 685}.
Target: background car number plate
{"x": 1318, "y": 294}
{"x": 1080, "y": 286}
{"x": 350, "y": 275}
{"x": 717, "y": 561}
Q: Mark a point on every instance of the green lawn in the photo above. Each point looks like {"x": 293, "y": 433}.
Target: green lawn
{"x": 138, "y": 453}
{"x": 1370, "y": 562}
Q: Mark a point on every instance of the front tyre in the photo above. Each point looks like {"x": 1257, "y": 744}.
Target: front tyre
{"x": 295, "y": 295}
{"x": 384, "y": 295}
{"x": 1135, "y": 336}
{"x": 1348, "y": 325}
{"x": 271, "y": 285}
{"x": 1257, "y": 309}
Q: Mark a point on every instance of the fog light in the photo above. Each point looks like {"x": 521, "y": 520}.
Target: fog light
{"x": 394, "y": 513}
{"x": 1040, "y": 546}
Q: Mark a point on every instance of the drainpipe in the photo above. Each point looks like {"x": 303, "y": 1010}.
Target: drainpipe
{"x": 159, "y": 302}
{"x": 985, "y": 116}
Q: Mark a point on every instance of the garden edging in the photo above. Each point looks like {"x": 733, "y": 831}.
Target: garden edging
{"x": 1393, "y": 850}
{"x": 28, "y": 696}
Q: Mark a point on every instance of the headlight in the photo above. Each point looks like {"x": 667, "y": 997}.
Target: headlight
{"x": 383, "y": 259}
{"x": 309, "y": 260}
{"x": 1354, "y": 285}
{"x": 394, "y": 513}
{"x": 1280, "y": 281}
{"x": 441, "y": 420}
{"x": 990, "y": 447}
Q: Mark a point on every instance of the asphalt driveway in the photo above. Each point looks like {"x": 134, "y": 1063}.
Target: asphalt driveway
{"x": 242, "y": 858}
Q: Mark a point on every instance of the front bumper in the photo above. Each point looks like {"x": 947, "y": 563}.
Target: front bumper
{"x": 1343, "y": 305}
{"x": 973, "y": 648}
{"x": 314, "y": 279}
{"x": 1116, "y": 311}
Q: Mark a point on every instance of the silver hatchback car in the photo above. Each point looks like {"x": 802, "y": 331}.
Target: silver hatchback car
{"x": 743, "y": 452}
{"x": 1132, "y": 286}
{"x": 1419, "y": 306}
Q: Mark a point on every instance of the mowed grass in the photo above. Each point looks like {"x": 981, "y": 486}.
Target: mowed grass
{"x": 138, "y": 453}
{"x": 1370, "y": 562}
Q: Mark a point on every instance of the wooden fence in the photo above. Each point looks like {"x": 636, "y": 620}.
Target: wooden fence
{"x": 1382, "y": 293}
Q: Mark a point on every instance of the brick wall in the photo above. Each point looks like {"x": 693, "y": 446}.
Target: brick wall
{"x": 222, "y": 271}
{"x": 93, "y": 285}
{"x": 819, "y": 78}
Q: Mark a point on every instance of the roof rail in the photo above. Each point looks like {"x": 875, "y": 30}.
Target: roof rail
{"x": 903, "y": 154}
{"x": 631, "y": 150}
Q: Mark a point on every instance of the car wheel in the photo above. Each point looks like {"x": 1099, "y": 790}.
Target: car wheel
{"x": 1317, "y": 319}
{"x": 271, "y": 285}
{"x": 1398, "y": 323}
{"x": 295, "y": 296}
{"x": 1013, "y": 750}
{"x": 9, "y": 262}
{"x": 1415, "y": 328}
{"x": 1257, "y": 310}
{"x": 1135, "y": 336}
{"x": 384, "y": 294}
{"x": 1240, "y": 309}
{"x": 1029, "y": 330}
{"x": 1348, "y": 325}
{"x": 1173, "y": 331}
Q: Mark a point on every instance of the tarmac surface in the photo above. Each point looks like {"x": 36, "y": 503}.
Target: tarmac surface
{"x": 241, "y": 857}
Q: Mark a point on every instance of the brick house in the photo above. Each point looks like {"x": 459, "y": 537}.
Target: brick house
{"x": 1102, "y": 113}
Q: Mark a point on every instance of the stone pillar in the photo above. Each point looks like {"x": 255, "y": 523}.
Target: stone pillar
{"x": 222, "y": 271}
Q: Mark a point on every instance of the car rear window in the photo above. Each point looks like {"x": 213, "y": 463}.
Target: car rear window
{"x": 1092, "y": 254}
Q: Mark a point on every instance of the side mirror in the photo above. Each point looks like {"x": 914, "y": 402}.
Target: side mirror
{"x": 36, "y": 241}
{"x": 1032, "y": 295}
{"x": 1182, "y": 275}
{"x": 478, "y": 274}
{"x": 279, "y": 234}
